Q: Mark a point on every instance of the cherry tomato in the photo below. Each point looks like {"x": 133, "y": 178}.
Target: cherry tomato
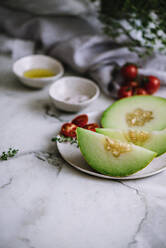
{"x": 125, "y": 91}
{"x": 140, "y": 91}
{"x": 68, "y": 130}
{"x": 80, "y": 120}
{"x": 91, "y": 126}
{"x": 132, "y": 84}
{"x": 152, "y": 84}
{"x": 129, "y": 71}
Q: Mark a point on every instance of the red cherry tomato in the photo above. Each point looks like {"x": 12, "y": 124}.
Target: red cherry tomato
{"x": 152, "y": 84}
{"x": 91, "y": 126}
{"x": 80, "y": 120}
{"x": 140, "y": 91}
{"x": 132, "y": 84}
{"x": 68, "y": 130}
{"x": 125, "y": 91}
{"x": 129, "y": 71}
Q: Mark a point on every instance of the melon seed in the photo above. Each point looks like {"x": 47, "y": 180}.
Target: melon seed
{"x": 116, "y": 147}
{"x": 139, "y": 117}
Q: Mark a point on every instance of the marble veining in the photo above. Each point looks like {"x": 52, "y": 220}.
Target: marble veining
{"x": 44, "y": 203}
{"x": 6, "y": 184}
{"x": 143, "y": 219}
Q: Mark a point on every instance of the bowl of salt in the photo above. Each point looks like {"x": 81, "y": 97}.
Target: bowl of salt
{"x": 73, "y": 94}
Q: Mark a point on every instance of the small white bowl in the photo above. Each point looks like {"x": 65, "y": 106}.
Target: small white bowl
{"x": 66, "y": 91}
{"x": 35, "y": 62}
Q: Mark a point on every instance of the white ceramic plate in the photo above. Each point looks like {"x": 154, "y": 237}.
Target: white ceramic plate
{"x": 73, "y": 156}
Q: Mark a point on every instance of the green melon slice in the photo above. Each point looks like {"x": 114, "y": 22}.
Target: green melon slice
{"x": 154, "y": 141}
{"x": 102, "y": 154}
{"x": 137, "y": 112}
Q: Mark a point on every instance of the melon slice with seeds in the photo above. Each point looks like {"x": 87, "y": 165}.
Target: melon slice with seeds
{"x": 111, "y": 156}
{"x": 137, "y": 112}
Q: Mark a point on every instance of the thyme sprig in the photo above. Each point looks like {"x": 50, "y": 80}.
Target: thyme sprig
{"x": 10, "y": 153}
{"x": 63, "y": 139}
{"x": 142, "y": 24}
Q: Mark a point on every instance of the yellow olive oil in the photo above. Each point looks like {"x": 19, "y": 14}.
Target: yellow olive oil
{"x": 39, "y": 73}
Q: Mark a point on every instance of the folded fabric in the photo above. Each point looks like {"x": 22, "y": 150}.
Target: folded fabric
{"x": 76, "y": 41}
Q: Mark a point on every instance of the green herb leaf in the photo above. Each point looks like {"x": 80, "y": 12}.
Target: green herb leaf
{"x": 121, "y": 18}
{"x": 10, "y": 153}
{"x": 61, "y": 139}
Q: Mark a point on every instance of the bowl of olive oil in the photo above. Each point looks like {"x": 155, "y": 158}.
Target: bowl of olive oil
{"x": 38, "y": 71}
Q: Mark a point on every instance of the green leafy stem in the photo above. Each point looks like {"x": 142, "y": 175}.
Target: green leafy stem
{"x": 129, "y": 18}
{"x": 10, "y": 153}
{"x": 63, "y": 139}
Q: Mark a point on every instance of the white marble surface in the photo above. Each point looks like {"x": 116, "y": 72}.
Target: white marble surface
{"x": 44, "y": 203}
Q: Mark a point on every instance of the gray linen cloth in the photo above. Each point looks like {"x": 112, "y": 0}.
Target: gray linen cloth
{"x": 69, "y": 31}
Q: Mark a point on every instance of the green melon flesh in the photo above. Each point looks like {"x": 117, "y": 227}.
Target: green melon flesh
{"x": 156, "y": 140}
{"x": 115, "y": 115}
{"x": 92, "y": 146}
